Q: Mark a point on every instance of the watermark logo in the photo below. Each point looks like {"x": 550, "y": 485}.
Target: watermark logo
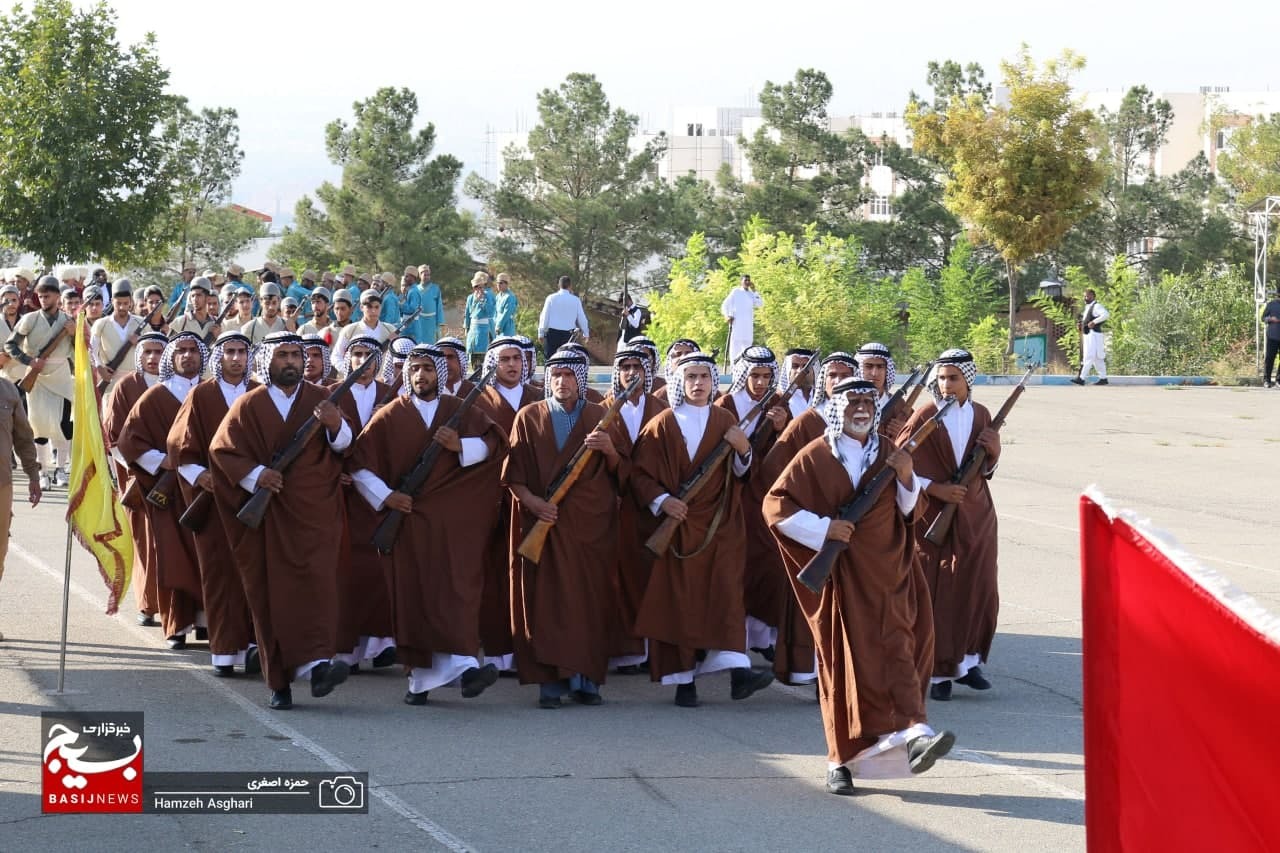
{"x": 91, "y": 761}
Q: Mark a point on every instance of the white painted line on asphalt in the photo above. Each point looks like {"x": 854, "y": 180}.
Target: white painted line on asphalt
{"x": 260, "y": 714}
{"x": 1023, "y": 774}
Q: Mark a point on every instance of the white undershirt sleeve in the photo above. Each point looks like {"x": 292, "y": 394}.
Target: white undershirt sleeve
{"x": 343, "y": 441}
{"x": 473, "y": 450}
{"x": 250, "y": 481}
{"x": 655, "y": 506}
{"x": 741, "y": 464}
{"x": 150, "y": 461}
{"x": 805, "y": 527}
{"x": 371, "y": 487}
{"x": 191, "y": 472}
{"x": 907, "y": 497}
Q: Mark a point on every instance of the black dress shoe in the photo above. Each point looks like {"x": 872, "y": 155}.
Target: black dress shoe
{"x": 1077, "y": 381}
{"x": 767, "y": 654}
{"x": 629, "y": 669}
{"x": 281, "y": 700}
{"x": 202, "y": 635}
{"x": 940, "y": 692}
{"x": 840, "y": 781}
{"x": 744, "y": 681}
{"x": 478, "y": 679}
{"x": 252, "y": 662}
{"x": 582, "y": 697}
{"x": 177, "y": 642}
{"x": 548, "y": 703}
{"x": 326, "y": 676}
{"x": 974, "y": 679}
{"x": 385, "y": 658}
{"x": 1102, "y": 382}
{"x": 687, "y": 695}
{"x": 923, "y": 751}
{"x": 224, "y": 670}
{"x": 148, "y": 620}
{"x": 411, "y": 698}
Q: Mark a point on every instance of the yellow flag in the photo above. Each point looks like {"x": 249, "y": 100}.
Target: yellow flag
{"x": 96, "y": 517}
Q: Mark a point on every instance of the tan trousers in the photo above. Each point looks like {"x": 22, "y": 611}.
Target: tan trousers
{"x": 6, "y": 505}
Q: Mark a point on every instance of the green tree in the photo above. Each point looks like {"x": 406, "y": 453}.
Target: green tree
{"x": 814, "y": 292}
{"x": 1251, "y": 163}
{"x": 576, "y": 201}
{"x": 1021, "y": 175}
{"x": 943, "y": 311}
{"x": 396, "y": 204}
{"x": 801, "y": 172}
{"x": 81, "y": 159}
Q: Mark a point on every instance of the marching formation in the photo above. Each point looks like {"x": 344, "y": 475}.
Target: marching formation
{"x": 329, "y": 494}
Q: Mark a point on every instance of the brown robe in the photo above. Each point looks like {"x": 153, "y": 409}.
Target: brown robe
{"x": 495, "y": 608}
{"x": 176, "y": 564}
{"x": 691, "y": 603}
{"x": 767, "y": 594}
{"x": 634, "y": 561}
{"x": 865, "y": 616}
{"x": 434, "y": 574}
{"x": 227, "y": 611}
{"x": 563, "y": 608}
{"x": 116, "y": 407}
{"x": 289, "y": 565}
{"x": 364, "y": 604}
{"x": 961, "y": 573}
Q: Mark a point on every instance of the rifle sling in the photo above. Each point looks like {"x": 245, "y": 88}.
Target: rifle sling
{"x": 715, "y": 520}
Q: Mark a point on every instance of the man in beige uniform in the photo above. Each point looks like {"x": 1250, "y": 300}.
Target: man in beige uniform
{"x": 111, "y": 334}
{"x": 269, "y": 296}
{"x": 15, "y": 437}
{"x": 54, "y": 384}
{"x": 199, "y": 317}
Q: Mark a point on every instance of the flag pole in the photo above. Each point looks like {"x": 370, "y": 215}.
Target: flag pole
{"x": 66, "y": 602}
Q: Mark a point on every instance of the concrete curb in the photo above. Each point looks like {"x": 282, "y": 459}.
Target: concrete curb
{"x": 603, "y": 377}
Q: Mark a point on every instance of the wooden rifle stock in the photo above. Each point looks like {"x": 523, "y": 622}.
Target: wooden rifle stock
{"x": 161, "y": 494}
{"x": 660, "y": 541}
{"x": 388, "y": 530}
{"x": 818, "y": 569}
{"x": 29, "y": 379}
{"x": 764, "y": 428}
{"x": 918, "y": 387}
{"x": 254, "y": 509}
{"x": 973, "y": 465}
{"x": 132, "y": 496}
{"x": 196, "y": 515}
{"x": 536, "y": 538}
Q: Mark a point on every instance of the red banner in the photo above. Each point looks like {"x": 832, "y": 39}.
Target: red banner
{"x": 1181, "y": 695}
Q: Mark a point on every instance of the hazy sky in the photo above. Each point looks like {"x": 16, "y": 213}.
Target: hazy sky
{"x": 290, "y": 67}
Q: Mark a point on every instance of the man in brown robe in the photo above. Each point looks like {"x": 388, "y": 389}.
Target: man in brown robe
{"x": 804, "y": 428}
{"x": 646, "y": 345}
{"x": 765, "y": 591}
{"x": 961, "y": 572}
{"x": 592, "y": 395}
{"x": 875, "y": 365}
{"x": 501, "y": 399}
{"x": 434, "y": 575}
{"x": 316, "y": 366}
{"x": 564, "y": 605}
{"x": 143, "y": 443}
{"x": 630, "y": 650}
{"x": 872, "y": 705}
{"x": 455, "y": 351}
{"x": 116, "y": 407}
{"x": 692, "y": 610}
{"x": 226, "y": 610}
{"x": 796, "y": 372}
{"x": 289, "y": 564}
{"x": 364, "y": 621}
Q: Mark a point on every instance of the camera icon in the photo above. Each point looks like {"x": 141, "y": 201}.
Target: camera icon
{"x": 341, "y": 792}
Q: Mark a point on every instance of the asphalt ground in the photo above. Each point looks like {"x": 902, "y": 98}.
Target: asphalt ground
{"x": 497, "y": 773}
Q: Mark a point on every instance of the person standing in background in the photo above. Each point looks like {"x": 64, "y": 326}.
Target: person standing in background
{"x": 505, "y": 308}
{"x": 1271, "y": 320}
{"x": 561, "y": 314}
{"x": 739, "y": 308}
{"x": 1093, "y": 339}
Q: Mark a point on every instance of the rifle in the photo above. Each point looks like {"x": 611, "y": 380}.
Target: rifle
{"x": 222, "y": 315}
{"x": 727, "y": 338}
{"x": 818, "y": 569}
{"x": 197, "y": 513}
{"x": 765, "y": 428}
{"x": 384, "y": 537}
{"x": 911, "y": 385}
{"x": 162, "y": 492}
{"x": 254, "y": 509}
{"x": 660, "y": 541}
{"x": 29, "y": 380}
{"x": 919, "y": 386}
{"x": 973, "y": 465}
{"x": 404, "y": 324}
{"x": 536, "y": 538}
{"x": 173, "y": 311}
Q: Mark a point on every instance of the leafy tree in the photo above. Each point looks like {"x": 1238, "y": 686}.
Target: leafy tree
{"x": 1251, "y": 164}
{"x": 576, "y": 201}
{"x": 82, "y": 161}
{"x": 813, "y": 288}
{"x": 396, "y": 204}
{"x": 943, "y": 311}
{"x": 801, "y": 172}
{"x": 1021, "y": 175}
